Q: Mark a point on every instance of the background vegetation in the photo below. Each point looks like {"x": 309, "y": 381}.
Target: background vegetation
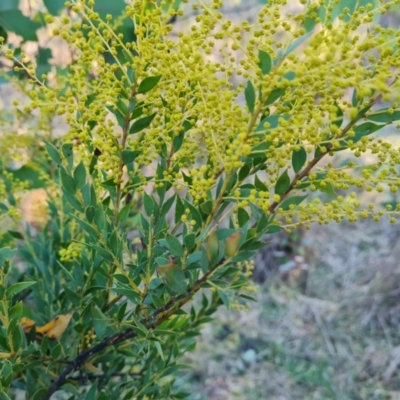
{"x": 326, "y": 322}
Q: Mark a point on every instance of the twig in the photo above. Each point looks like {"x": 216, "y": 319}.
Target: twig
{"x": 151, "y": 322}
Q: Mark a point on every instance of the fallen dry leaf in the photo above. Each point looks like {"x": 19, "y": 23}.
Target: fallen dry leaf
{"x": 53, "y": 329}
{"x": 56, "y": 327}
{"x": 26, "y": 324}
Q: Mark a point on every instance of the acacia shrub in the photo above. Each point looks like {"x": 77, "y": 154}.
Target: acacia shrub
{"x": 165, "y": 183}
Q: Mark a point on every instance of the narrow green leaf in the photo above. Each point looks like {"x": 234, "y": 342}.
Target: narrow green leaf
{"x": 6, "y": 254}
{"x": 54, "y": 6}
{"x": 206, "y": 207}
{"x": 142, "y": 123}
{"x": 299, "y": 158}
{"x": 149, "y": 204}
{"x": 175, "y": 246}
{"x": 174, "y": 278}
{"x": 272, "y": 121}
{"x": 294, "y": 200}
{"x": 250, "y": 95}
{"x": 53, "y": 153}
{"x": 283, "y": 183}
{"x": 265, "y": 62}
{"x": 260, "y": 185}
{"x": 385, "y": 116}
{"x": 129, "y": 156}
{"x": 179, "y": 209}
{"x": 273, "y": 229}
{"x": 274, "y": 95}
{"x": 159, "y": 349}
{"x": 86, "y": 227}
{"x": 129, "y": 293}
{"x": 339, "y": 116}
{"x": 243, "y": 217}
{"x": 15, "y": 234}
{"x": 190, "y": 241}
{"x": 73, "y": 201}
{"x": 13, "y": 20}
{"x": 148, "y": 83}
{"x": 18, "y": 287}
{"x": 68, "y": 182}
{"x": 224, "y": 298}
{"x": 80, "y": 175}
{"x": 99, "y": 321}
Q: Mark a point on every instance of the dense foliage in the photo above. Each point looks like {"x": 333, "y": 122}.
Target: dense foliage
{"x": 181, "y": 153}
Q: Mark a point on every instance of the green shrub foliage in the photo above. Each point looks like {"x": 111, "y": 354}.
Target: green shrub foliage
{"x": 182, "y": 151}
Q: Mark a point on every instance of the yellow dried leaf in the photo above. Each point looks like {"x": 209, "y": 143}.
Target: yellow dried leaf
{"x": 5, "y": 355}
{"x": 26, "y": 324}
{"x": 56, "y": 327}
{"x": 91, "y": 368}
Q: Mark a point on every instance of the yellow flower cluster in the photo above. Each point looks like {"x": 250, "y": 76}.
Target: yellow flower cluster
{"x": 197, "y": 121}
{"x": 71, "y": 252}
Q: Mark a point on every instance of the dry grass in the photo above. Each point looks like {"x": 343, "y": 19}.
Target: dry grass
{"x": 339, "y": 340}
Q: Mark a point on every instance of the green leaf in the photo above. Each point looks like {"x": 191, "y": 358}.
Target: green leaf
{"x": 364, "y": 130}
{"x": 6, "y": 254}
{"x": 354, "y": 100}
{"x": 120, "y": 117}
{"x": 175, "y": 246}
{"x": 68, "y": 182}
{"x": 295, "y": 44}
{"x": 207, "y": 207}
{"x": 243, "y": 256}
{"x": 273, "y": 96}
{"x": 129, "y": 156}
{"x": 18, "y": 287}
{"x": 174, "y": 278}
{"x": 294, "y": 200}
{"x": 86, "y": 227}
{"x": 142, "y": 123}
{"x": 13, "y": 20}
{"x": 149, "y": 204}
{"x": 179, "y": 210}
{"x": 190, "y": 241}
{"x": 99, "y": 321}
{"x": 250, "y": 95}
{"x": 15, "y": 234}
{"x": 224, "y": 233}
{"x": 265, "y": 62}
{"x": 339, "y": 116}
{"x": 299, "y": 158}
{"x": 283, "y": 183}
{"x": 129, "y": 293}
{"x": 224, "y": 298}
{"x": 148, "y": 83}
{"x": 66, "y": 149}
{"x": 273, "y": 229}
{"x": 244, "y": 172}
{"x": 80, "y": 175}
{"x": 54, "y": 6}
{"x": 73, "y": 201}
{"x": 194, "y": 213}
{"x": 259, "y": 184}
{"x": 159, "y": 349}
{"x": 167, "y": 205}
{"x": 16, "y": 311}
{"x": 53, "y": 153}
{"x": 262, "y": 223}
{"x": 385, "y": 116}
{"x": 42, "y": 61}
{"x": 243, "y": 217}
{"x": 272, "y": 120}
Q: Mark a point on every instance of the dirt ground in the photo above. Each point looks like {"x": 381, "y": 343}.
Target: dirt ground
{"x": 339, "y": 339}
